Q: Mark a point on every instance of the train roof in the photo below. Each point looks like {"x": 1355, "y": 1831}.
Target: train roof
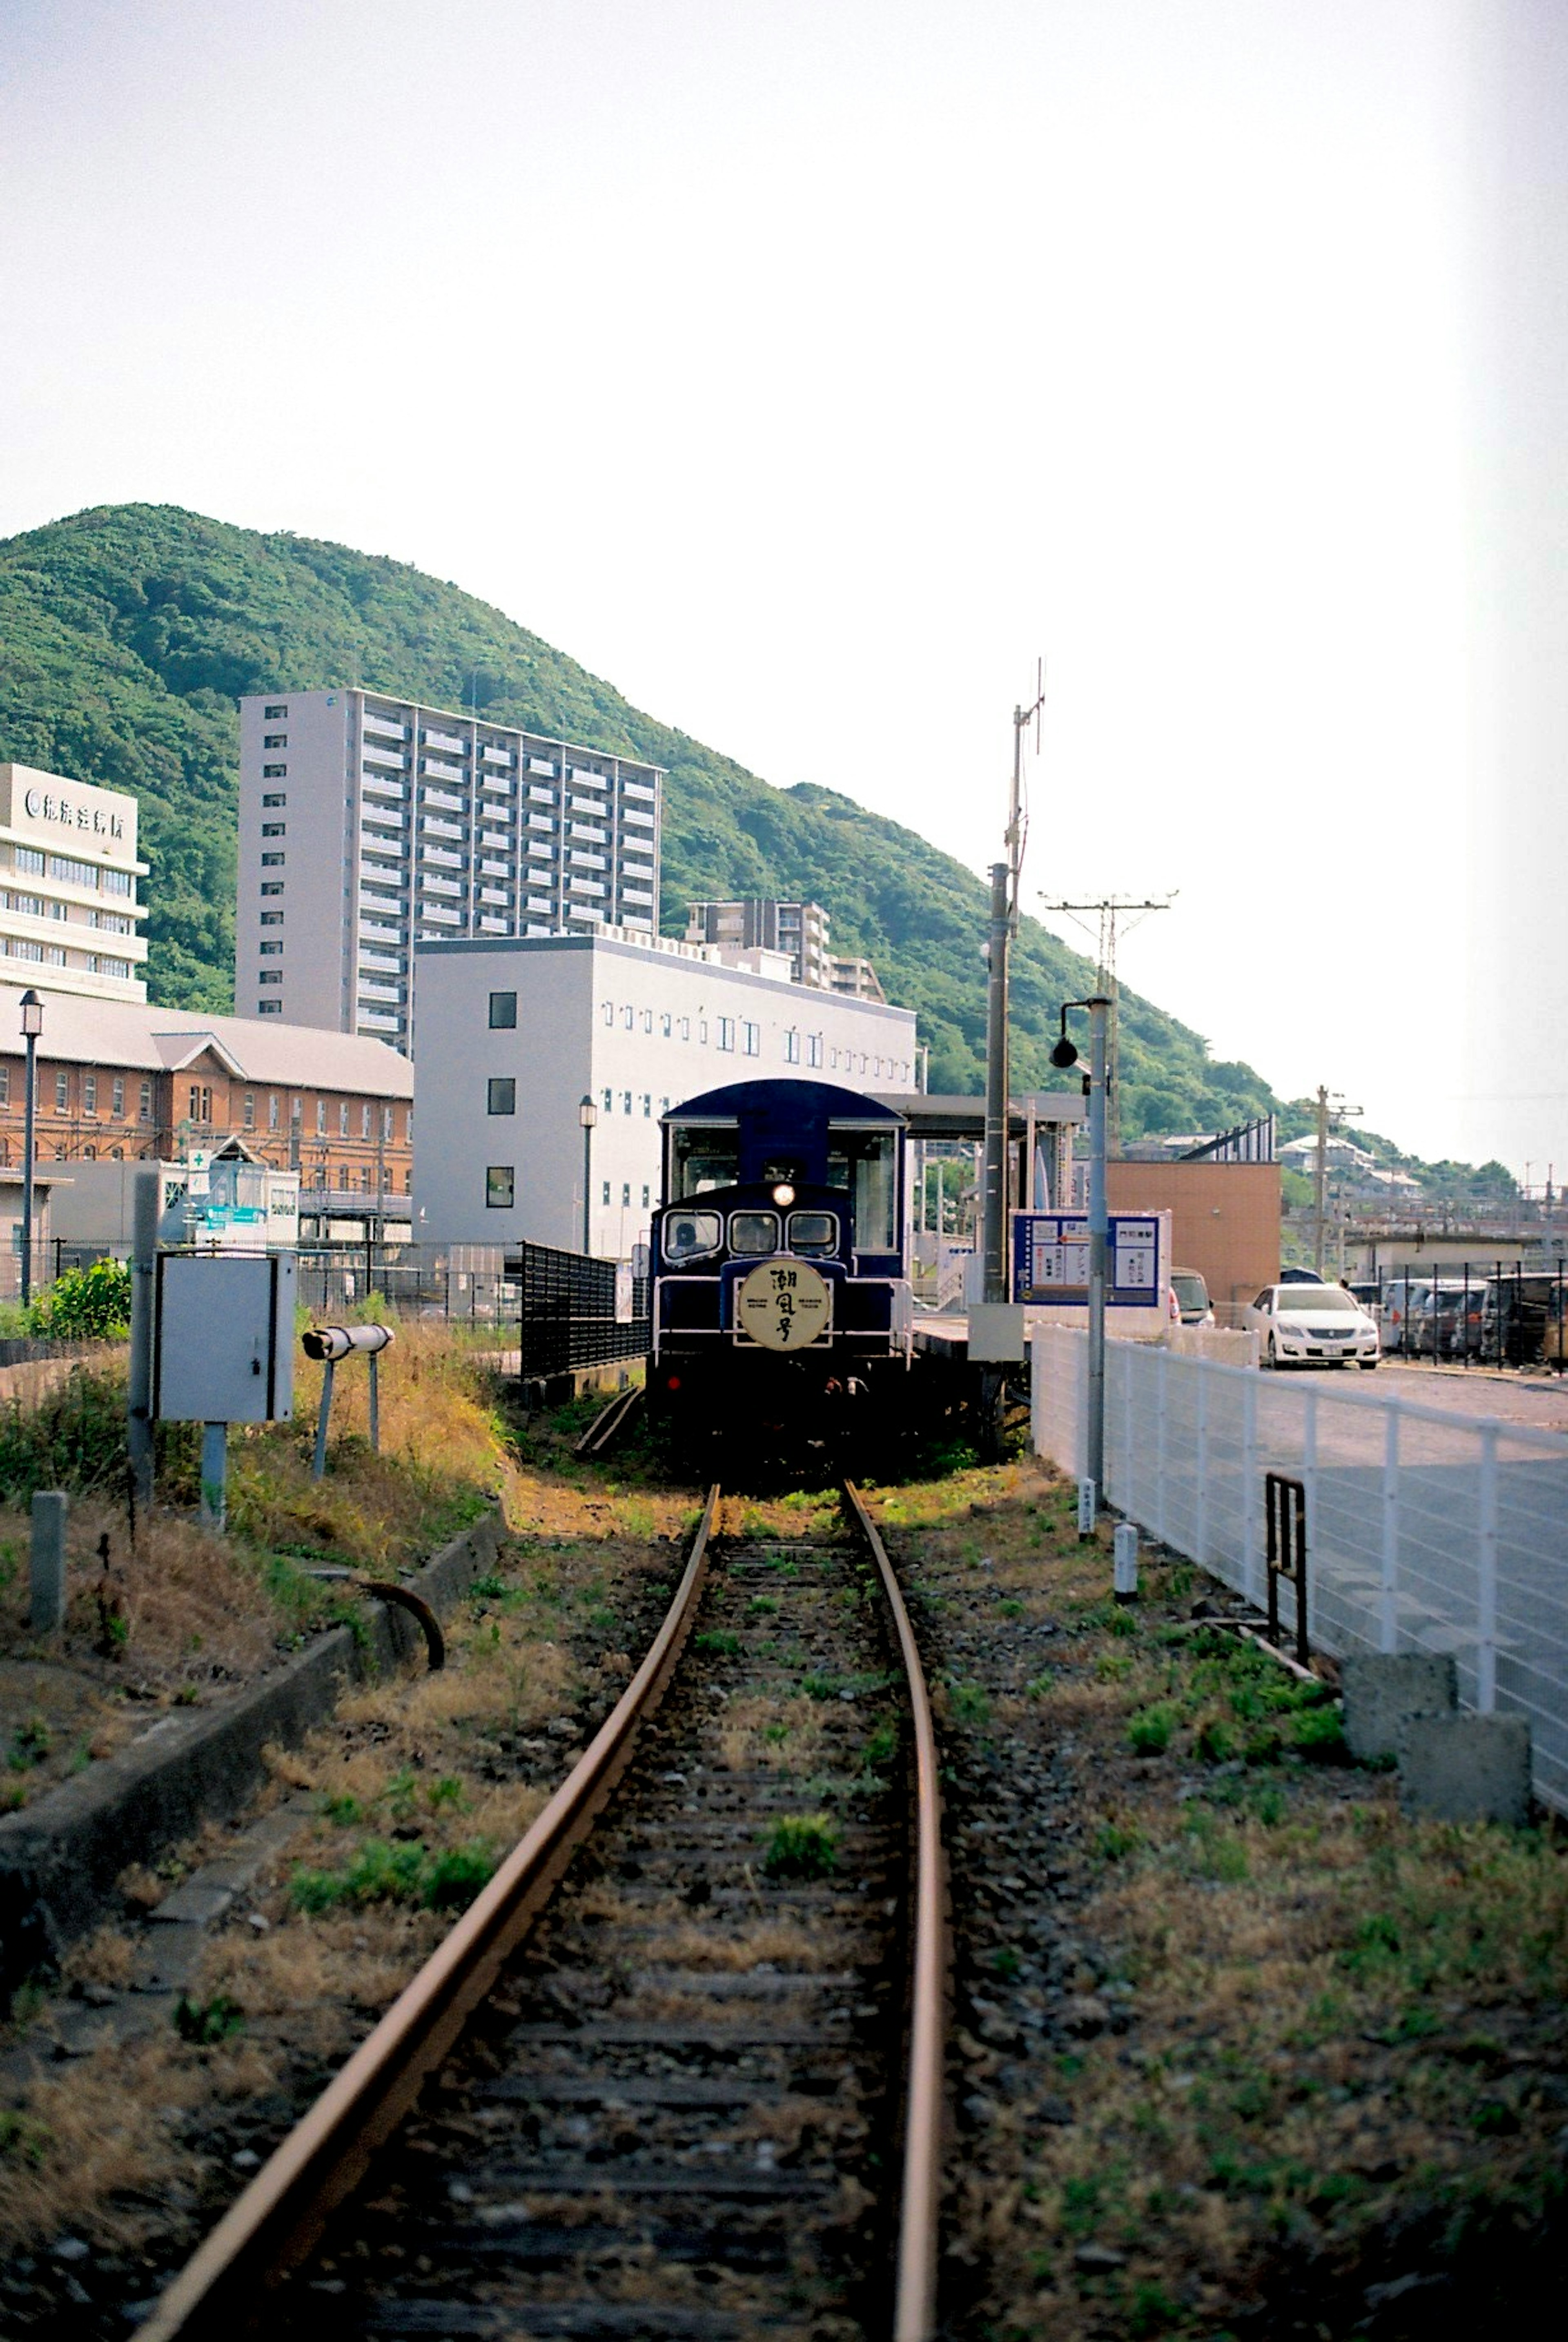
{"x": 810, "y": 1101}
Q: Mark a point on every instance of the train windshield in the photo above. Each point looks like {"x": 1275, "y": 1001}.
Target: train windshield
{"x": 865, "y": 1163}
{"x": 812, "y": 1232}
{"x": 753, "y": 1232}
{"x": 704, "y": 1156}
{"x": 688, "y": 1235}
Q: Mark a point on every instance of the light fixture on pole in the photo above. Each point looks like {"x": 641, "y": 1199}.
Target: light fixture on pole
{"x": 1063, "y": 1054}
{"x": 587, "y": 1115}
{"x": 32, "y": 1026}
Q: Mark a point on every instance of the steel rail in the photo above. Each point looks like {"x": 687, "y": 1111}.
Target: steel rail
{"x": 914, "y": 2306}
{"x": 272, "y": 2226}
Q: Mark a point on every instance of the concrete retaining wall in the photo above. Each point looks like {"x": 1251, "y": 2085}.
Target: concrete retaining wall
{"x": 59, "y": 1857}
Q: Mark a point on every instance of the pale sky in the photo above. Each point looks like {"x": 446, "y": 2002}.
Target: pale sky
{"x": 809, "y": 369}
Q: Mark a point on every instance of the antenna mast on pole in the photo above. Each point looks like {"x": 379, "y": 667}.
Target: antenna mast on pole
{"x": 1112, "y": 910}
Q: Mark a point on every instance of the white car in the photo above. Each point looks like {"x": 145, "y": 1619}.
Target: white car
{"x": 1312, "y": 1325}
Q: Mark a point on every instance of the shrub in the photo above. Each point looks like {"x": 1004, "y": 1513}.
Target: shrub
{"x": 86, "y": 1304}
{"x": 397, "y": 1874}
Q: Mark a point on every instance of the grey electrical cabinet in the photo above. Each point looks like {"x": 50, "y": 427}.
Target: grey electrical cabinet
{"x": 224, "y": 1337}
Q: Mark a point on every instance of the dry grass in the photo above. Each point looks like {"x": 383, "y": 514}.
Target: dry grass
{"x": 782, "y": 1736}
{"x": 716, "y": 1944}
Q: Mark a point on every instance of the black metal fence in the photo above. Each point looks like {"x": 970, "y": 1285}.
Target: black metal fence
{"x": 576, "y": 1311}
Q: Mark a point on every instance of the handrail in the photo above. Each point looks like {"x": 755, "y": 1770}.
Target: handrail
{"x": 282, "y": 2213}
{"x": 914, "y": 2307}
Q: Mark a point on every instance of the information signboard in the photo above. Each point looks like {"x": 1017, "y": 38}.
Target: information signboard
{"x": 1050, "y": 1259}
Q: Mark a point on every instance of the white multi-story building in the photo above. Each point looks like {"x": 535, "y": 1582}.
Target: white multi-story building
{"x": 369, "y": 825}
{"x": 68, "y": 872}
{"x": 515, "y": 1036}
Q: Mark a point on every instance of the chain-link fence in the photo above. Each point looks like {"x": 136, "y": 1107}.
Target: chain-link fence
{"x": 1426, "y": 1530}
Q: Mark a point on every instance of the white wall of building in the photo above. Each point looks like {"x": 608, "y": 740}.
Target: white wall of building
{"x": 68, "y": 870}
{"x": 637, "y": 1026}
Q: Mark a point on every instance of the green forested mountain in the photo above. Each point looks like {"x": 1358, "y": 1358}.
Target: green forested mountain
{"x": 128, "y": 633}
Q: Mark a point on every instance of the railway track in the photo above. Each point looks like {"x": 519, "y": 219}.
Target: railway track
{"x": 694, "y": 2087}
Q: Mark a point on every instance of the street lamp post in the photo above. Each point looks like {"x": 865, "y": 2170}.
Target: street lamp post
{"x": 32, "y": 1026}
{"x": 587, "y": 1115}
{"x": 1062, "y": 1056}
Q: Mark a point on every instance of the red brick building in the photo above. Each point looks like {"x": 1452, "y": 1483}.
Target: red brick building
{"x": 117, "y": 1080}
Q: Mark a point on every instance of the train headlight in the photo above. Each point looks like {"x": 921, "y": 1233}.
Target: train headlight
{"x": 784, "y": 1192}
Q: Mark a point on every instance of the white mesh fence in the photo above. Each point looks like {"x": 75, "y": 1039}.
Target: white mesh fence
{"x": 1426, "y": 1530}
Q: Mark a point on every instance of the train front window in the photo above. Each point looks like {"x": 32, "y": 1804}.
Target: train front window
{"x": 690, "y": 1235}
{"x": 703, "y": 1156}
{"x": 812, "y": 1232}
{"x": 753, "y": 1232}
{"x": 865, "y": 1163}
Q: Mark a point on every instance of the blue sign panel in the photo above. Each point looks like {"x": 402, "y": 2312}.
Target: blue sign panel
{"x": 1051, "y": 1258}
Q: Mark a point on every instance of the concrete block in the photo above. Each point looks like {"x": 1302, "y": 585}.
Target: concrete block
{"x": 47, "y": 1561}
{"x": 1466, "y": 1768}
{"x": 1384, "y": 1690}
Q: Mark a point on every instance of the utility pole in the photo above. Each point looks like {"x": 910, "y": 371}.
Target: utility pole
{"x": 1334, "y": 1110}
{"x": 1099, "y": 1239}
{"x": 1111, "y": 910}
{"x": 1003, "y": 925}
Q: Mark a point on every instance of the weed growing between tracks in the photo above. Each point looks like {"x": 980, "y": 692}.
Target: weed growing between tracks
{"x": 1240, "y": 2050}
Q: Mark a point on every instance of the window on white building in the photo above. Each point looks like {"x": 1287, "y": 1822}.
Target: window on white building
{"x": 500, "y": 1186}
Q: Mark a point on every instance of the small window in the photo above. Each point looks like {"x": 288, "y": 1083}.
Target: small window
{"x": 271, "y": 951}
{"x": 365, "y": 1114}
{"x": 118, "y": 1096}
{"x": 690, "y": 1235}
{"x": 272, "y": 1111}
{"x": 275, "y": 740}
{"x": 647, "y": 1106}
{"x": 270, "y": 975}
{"x": 274, "y": 772}
{"x": 751, "y": 1037}
{"x": 812, "y": 1232}
{"x": 609, "y": 1101}
{"x": 343, "y": 1118}
{"x": 501, "y": 1094}
{"x": 500, "y": 1186}
{"x": 608, "y": 1010}
{"x": 271, "y": 919}
{"x": 62, "y": 1092}
{"x": 726, "y": 1033}
{"x": 644, "y": 1195}
{"x": 272, "y": 886}
{"x": 502, "y": 1011}
{"x": 275, "y": 797}
{"x": 791, "y": 1048}
{"x": 686, "y": 1029}
{"x": 814, "y": 1048}
{"x": 665, "y": 1021}
{"x": 274, "y": 829}
{"x": 250, "y": 1110}
{"x": 271, "y": 715}
{"x": 321, "y": 1118}
{"x": 145, "y": 1108}
{"x": 753, "y": 1232}
{"x": 89, "y": 1094}
{"x": 625, "y": 1193}
{"x": 647, "y": 1020}
{"x": 606, "y": 1191}
{"x": 627, "y": 1016}
{"x": 272, "y": 862}
{"x": 626, "y": 1101}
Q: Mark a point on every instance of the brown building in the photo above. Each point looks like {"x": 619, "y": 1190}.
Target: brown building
{"x": 1224, "y": 1219}
{"x": 117, "y": 1080}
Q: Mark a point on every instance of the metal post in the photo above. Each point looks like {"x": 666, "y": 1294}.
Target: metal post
{"x": 318, "y": 1466}
{"x": 215, "y": 1474}
{"x": 1161, "y": 1382}
{"x": 374, "y": 1403}
{"x": 1388, "y": 1619}
{"x": 1249, "y": 1489}
{"x": 1320, "y": 1181}
{"x": 1486, "y": 1576}
{"x": 29, "y": 1112}
{"x": 139, "y": 1396}
{"x": 994, "y": 1242}
{"x": 1202, "y": 1465}
{"x": 1099, "y": 1237}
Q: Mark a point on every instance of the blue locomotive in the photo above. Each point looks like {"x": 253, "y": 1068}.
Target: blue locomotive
{"x": 780, "y": 1260}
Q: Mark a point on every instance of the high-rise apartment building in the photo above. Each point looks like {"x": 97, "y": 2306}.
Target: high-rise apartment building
{"x": 68, "y": 870}
{"x": 757, "y": 923}
{"x": 369, "y": 824}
